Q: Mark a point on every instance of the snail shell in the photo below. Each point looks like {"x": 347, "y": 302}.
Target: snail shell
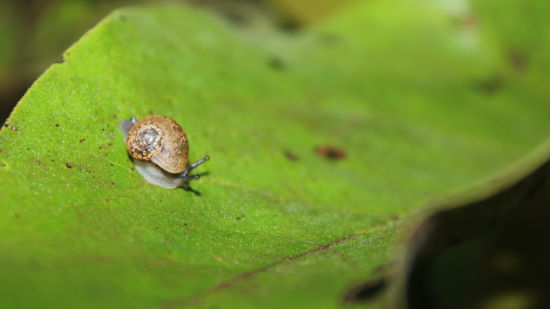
{"x": 151, "y": 145}
{"x": 160, "y": 140}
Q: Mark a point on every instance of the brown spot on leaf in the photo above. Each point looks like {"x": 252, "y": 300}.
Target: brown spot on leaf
{"x": 290, "y": 155}
{"x": 331, "y": 152}
{"x": 69, "y": 165}
{"x": 277, "y": 63}
{"x": 240, "y": 217}
{"x": 57, "y": 125}
{"x": 82, "y": 140}
{"x": 518, "y": 60}
{"x": 467, "y": 21}
{"x": 38, "y": 161}
{"x": 492, "y": 84}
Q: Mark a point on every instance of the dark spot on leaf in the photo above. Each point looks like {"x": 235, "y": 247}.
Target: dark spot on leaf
{"x": 82, "y": 140}
{"x": 240, "y": 217}
{"x": 57, "y": 125}
{"x": 235, "y": 16}
{"x": 290, "y": 25}
{"x": 330, "y": 152}
{"x": 277, "y": 63}
{"x": 112, "y": 183}
{"x": 69, "y": 165}
{"x": 290, "y": 155}
{"x": 115, "y": 116}
{"x": 518, "y": 60}
{"x": 491, "y": 85}
{"x": 60, "y": 60}
{"x": 364, "y": 292}
{"x": 110, "y": 144}
{"x": 101, "y": 146}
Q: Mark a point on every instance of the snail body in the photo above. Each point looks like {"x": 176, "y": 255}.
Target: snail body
{"x": 159, "y": 148}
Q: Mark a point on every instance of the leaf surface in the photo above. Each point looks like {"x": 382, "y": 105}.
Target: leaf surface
{"x": 422, "y": 107}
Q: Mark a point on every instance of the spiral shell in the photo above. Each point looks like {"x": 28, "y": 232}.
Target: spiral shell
{"x": 160, "y": 140}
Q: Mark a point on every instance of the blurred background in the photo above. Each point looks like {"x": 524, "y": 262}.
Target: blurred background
{"x": 34, "y": 33}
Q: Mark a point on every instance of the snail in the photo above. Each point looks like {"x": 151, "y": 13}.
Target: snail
{"x": 159, "y": 148}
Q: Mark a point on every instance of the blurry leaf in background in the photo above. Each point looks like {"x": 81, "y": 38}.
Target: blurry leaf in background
{"x": 34, "y": 33}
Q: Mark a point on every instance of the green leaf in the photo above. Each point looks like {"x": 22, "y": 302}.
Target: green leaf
{"x": 422, "y": 104}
